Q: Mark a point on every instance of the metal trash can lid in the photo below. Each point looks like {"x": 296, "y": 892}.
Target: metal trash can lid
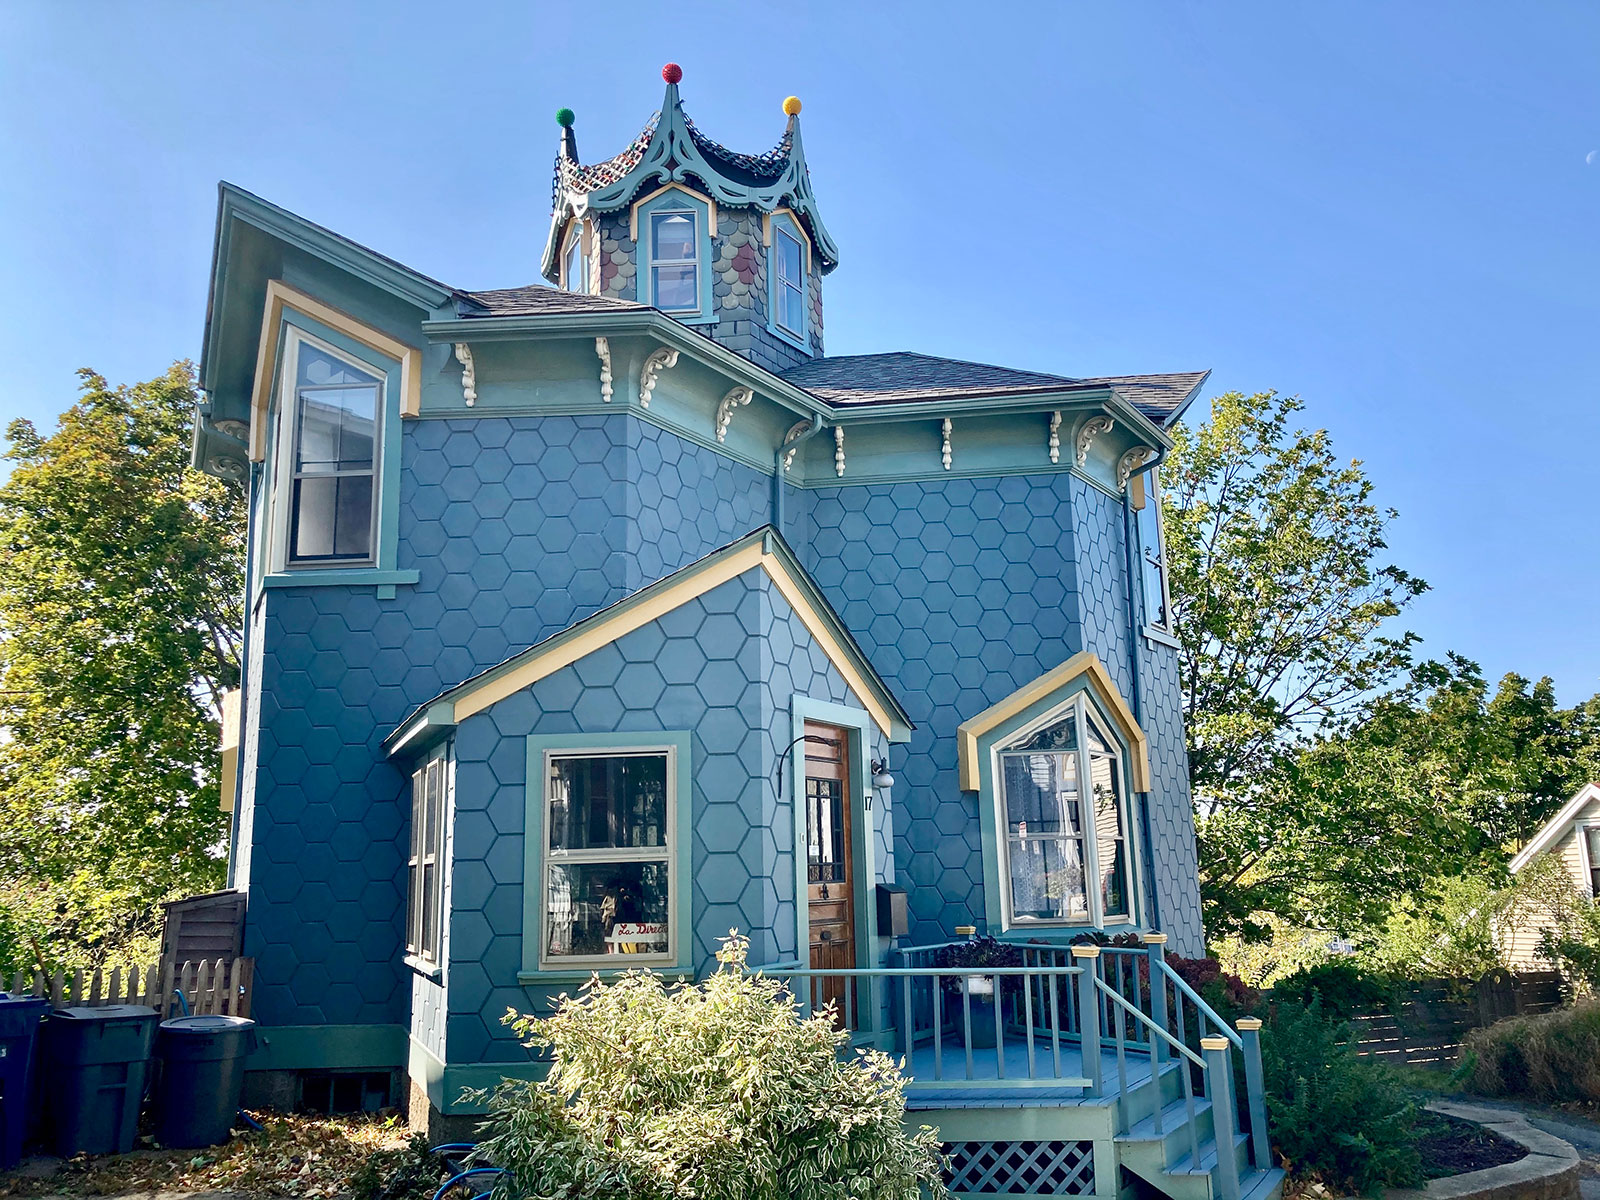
{"x": 206, "y": 1024}
{"x": 105, "y": 1012}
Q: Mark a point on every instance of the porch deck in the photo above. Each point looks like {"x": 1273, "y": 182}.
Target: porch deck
{"x": 939, "y": 1079}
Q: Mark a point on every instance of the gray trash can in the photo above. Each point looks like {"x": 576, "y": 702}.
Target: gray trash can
{"x": 202, "y": 1074}
{"x": 92, "y": 1076}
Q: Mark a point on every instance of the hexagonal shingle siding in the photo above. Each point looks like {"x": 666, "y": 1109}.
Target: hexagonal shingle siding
{"x": 723, "y": 666}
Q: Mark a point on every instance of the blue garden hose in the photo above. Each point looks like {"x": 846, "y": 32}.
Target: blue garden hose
{"x": 467, "y": 1174}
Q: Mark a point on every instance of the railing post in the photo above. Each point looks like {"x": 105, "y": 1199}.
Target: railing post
{"x": 1219, "y": 1065}
{"x": 1255, "y": 1092}
{"x": 1156, "y": 947}
{"x": 1089, "y": 1016}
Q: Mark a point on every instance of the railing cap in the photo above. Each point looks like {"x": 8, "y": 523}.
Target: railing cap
{"x": 1086, "y": 952}
{"x": 1213, "y": 1043}
{"x": 1248, "y": 1024}
{"x": 966, "y": 930}
{"x": 1155, "y": 939}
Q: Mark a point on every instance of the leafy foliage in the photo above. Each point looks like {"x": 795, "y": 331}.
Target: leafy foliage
{"x": 410, "y": 1171}
{"x": 1342, "y": 986}
{"x": 718, "y": 1091}
{"x": 120, "y": 593}
{"x": 979, "y": 952}
{"x": 1552, "y": 1056}
{"x": 1333, "y": 1118}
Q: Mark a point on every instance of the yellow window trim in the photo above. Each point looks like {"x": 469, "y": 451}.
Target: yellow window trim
{"x": 281, "y": 296}
{"x": 633, "y": 213}
{"x": 766, "y": 231}
{"x": 1100, "y": 686}
{"x": 625, "y": 621}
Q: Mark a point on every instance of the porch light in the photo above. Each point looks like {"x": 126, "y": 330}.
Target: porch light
{"x": 881, "y": 779}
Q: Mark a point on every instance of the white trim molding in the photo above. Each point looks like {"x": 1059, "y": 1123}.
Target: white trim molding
{"x": 1556, "y": 828}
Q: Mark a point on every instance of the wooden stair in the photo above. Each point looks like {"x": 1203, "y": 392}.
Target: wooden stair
{"x": 1166, "y": 1158}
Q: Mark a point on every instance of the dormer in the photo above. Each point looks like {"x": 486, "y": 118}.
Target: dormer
{"x": 729, "y": 243}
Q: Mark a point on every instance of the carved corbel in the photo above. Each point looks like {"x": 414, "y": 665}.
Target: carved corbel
{"x": 1131, "y": 462}
{"x": 1055, "y": 437}
{"x": 735, "y": 398}
{"x": 838, "y": 449}
{"x": 602, "y": 349}
{"x": 469, "y": 374}
{"x": 796, "y": 431}
{"x": 1087, "y": 432}
{"x": 944, "y": 451}
{"x": 225, "y": 466}
{"x": 658, "y": 361}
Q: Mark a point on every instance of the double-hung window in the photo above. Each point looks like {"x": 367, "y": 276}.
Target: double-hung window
{"x": 1067, "y": 856}
{"x": 1153, "y": 551}
{"x": 789, "y": 282}
{"x": 577, "y": 264}
{"x": 609, "y": 862}
{"x": 674, "y": 261}
{"x": 1591, "y": 836}
{"x": 330, "y": 450}
{"x": 424, "y": 867}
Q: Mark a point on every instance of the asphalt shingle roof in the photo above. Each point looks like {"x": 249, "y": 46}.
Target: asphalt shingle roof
{"x": 903, "y": 376}
{"x": 537, "y": 300}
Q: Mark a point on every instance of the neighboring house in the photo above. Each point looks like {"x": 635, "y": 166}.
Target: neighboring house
{"x": 588, "y": 622}
{"x": 1573, "y": 837}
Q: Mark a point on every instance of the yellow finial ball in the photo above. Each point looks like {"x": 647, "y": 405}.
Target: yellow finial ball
{"x": 792, "y": 106}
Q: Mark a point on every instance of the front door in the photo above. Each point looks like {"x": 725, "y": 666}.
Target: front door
{"x": 831, "y": 900}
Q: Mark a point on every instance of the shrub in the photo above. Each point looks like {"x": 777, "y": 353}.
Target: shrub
{"x": 719, "y": 1090}
{"x": 1229, "y": 995}
{"x": 1553, "y": 1056}
{"x": 1333, "y": 1118}
{"x": 408, "y": 1172}
{"x": 1343, "y": 986}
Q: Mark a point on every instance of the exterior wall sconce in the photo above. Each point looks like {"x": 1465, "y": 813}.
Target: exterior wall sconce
{"x": 881, "y": 779}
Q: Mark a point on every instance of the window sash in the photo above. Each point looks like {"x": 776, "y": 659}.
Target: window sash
{"x": 666, "y": 854}
{"x": 1090, "y": 839}
{"x": 689, "y": 264}
{"x": 791, "y": 292}
{"x": 577, "y": 265}
{"x": 425, "y": 867}
{"x": 1153, "y": 554}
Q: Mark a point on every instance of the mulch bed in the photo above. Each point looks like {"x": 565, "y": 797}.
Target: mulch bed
{"x": 1451, "y": 1146}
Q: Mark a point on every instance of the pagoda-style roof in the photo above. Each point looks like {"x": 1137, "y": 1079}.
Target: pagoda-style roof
{"x": 672, "y": 149}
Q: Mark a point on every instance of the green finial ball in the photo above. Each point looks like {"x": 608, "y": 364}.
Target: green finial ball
{"x": 565, "y": 117}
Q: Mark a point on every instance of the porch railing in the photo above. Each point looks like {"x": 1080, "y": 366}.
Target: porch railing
{"x": 1072, "y": 1014}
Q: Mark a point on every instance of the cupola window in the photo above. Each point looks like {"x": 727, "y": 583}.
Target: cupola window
{"x": 790, "y": 283}
{"x": 576, "y": 268}
{"x": 674, "y": 261}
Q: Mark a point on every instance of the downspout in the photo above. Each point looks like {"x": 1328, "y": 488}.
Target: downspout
{"x": 1130, "y": 563}
{"x": 785, "y": 449}
{"x": 244, "y": 666}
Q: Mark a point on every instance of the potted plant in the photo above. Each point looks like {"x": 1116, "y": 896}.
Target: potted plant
{"x": 981, "y": 992}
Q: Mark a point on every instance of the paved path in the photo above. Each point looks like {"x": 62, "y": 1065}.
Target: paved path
{"x": 1584, "y": 1136}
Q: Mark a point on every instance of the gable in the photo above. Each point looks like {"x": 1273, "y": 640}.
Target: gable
{"x": 1582, "y": 808}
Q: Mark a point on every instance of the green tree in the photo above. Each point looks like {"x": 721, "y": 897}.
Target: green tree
{"x": 120, "y": 617}
{"x": 1280, "y": 597}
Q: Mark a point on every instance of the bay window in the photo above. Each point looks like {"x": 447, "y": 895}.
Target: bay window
{"x": 1063, "y": 805}
{"x": 609, "y": 871}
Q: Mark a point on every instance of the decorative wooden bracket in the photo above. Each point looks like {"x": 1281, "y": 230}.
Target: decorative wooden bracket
{"x": 838, "y": 449}
{"x": 1055, "y": 437}
{"x": 1092, "y": 428}
{"x": 602, "y": 349}
{"x": 736, "y": 397}
{"x": 469, "y": 374}
{"x": 944, "y": 450}
{"x": 658, "y": 361}
{"x": 1131, "y": 462}
{"x": 796, "y": 431}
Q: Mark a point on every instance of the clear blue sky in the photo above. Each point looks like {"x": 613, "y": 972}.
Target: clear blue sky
{"x": 1384, "y": 208}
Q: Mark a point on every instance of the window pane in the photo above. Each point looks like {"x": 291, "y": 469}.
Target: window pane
{"x": 788, "y": 258}
{"x": 411, "y": 906}
{"x": 676, "y": 287}
{"x": 1047, "y": 882}
{"x": 791, "y": 309}
{"x": 577, "y": 266}
{"x": 1099, "y": 741}
{"x": 825, "y": 830}
{"x": 337, "y": 428}
{"x": 1111, "y": 845}
{"x": 1149, "y": 527}
{"x": 318, "y": 368}
{"x": 672, "y": 236}
{"x": 1063, "y": 735}
{"x": 353, "y": 520}
{"x": 431, "y": 830}
{"x": 1594, "y": 861}
{"x": 430, "y": 900}
{"x": 314, "y": 503}
{"x": 1041, "y": 794}
{"x": 606, "y": 908}
{"x": 607, "y": 803}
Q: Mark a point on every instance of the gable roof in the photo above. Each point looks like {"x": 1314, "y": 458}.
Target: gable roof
{"x": 539, "y": 298}
{"x": 903, "y": 376}
{"x": 1556, "y": 828}
{"x": 762, "y": 549}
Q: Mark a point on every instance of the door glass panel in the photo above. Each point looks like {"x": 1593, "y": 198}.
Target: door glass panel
{"x": 825, "y": 831}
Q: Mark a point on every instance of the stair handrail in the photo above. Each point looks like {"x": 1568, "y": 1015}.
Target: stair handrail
{"x": 1149, "y": 1024}
{"x": 1205, "y": 1009}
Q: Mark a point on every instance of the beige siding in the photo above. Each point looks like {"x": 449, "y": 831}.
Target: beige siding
{"x": 1520, "y": 944}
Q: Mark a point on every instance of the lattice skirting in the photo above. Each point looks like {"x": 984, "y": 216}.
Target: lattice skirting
{"x": 1021, "y": 1168}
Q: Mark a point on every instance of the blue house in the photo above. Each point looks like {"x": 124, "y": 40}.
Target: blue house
{"x": 592, "y": 619}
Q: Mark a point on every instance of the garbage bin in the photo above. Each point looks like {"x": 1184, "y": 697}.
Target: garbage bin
{"x": 19, "y": 1025}
{"x": 202, "y": 1074}
{"x": 93, "y": 1072}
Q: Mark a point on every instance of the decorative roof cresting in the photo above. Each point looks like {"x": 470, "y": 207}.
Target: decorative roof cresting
{"x": 672, "y": 149}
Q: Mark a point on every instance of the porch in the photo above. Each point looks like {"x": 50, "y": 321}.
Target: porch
{"x": 1073, "y": 1073}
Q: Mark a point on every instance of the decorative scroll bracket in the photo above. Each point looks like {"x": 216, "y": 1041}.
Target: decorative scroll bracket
{"x": 944, "y": 450}
{"x": 796, "y": 431}
{"x": 838, "y": 449}
{"x": 1092, "y": 428}
{"x": 1055, "y": 437}
{"x": 1131, "y": 462}
{"x": 602, "y": 349}
{"x": 735, "y": 398}
{"x": 469, "y": 374}
{"x": 658, "y": 361}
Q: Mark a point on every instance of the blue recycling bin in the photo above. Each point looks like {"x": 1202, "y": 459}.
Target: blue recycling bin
{"x": 19, "y": 1028}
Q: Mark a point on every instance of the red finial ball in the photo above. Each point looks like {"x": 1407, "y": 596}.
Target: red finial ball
{"x": 672, "y": 72}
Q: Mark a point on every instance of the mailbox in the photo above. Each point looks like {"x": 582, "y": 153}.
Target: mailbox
{"x": 894, "y": 918}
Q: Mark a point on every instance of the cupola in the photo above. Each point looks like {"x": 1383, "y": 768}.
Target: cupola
{"x": 730, "y": 243}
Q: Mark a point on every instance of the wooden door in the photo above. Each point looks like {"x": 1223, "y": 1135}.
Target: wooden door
{"x": 830, "y": 870}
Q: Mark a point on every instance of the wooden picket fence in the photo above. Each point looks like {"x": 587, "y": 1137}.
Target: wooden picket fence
{"x": 220, "y": 987}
